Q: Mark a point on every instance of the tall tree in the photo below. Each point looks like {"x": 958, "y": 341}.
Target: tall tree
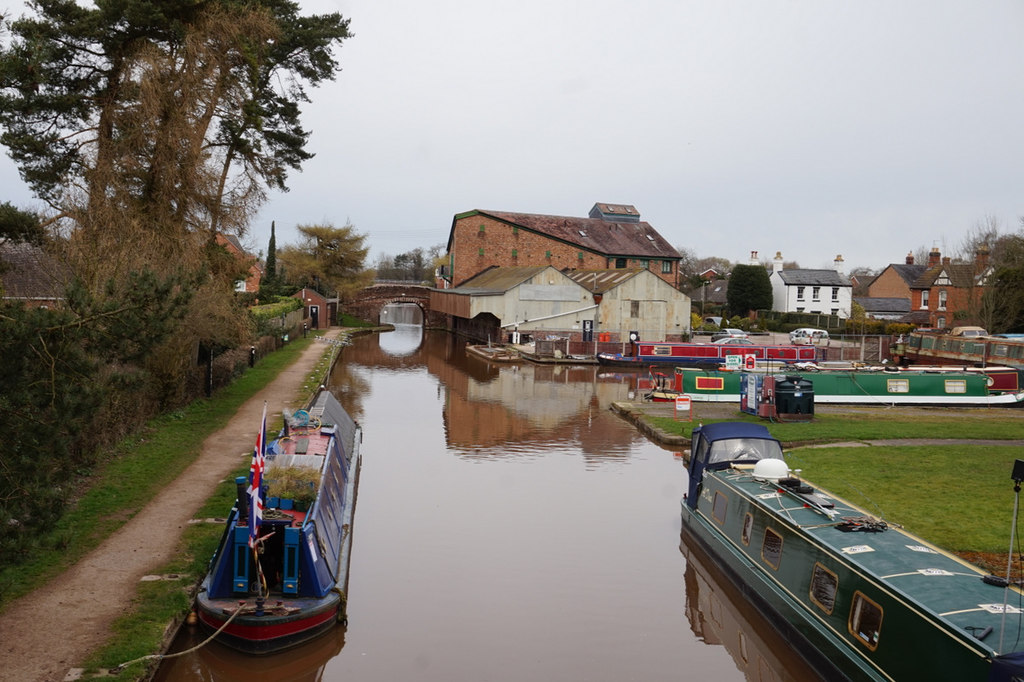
{"x": 149, "y": 120}
{"x": 270, "y": 269}
{"x": 329, "y": 259}
{"x": 1004, "y": 297}
{"x": 749, "y": 290}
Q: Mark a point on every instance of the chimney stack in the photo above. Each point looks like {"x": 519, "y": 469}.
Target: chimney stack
{"x": 981, "y": 258}
{"x": 934, "y": 257}
{"x": 838, "y": 263}
{"x": 777, "y": 263}
{"x": 910, "y": 257}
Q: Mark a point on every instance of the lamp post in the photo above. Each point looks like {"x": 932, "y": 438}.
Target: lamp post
{"x": 703, "y": 295}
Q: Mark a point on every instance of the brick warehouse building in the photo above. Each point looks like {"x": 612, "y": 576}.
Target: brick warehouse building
{"x": 613, "y": 236}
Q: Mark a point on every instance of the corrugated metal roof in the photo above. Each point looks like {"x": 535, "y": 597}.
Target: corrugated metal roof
{"x": 497, "y": 280}
{"x": 600, "y": 281}
{"x": 632, "y": 239}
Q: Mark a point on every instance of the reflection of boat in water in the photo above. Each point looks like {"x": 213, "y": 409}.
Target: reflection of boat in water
{"x": 279, "y": 577}
{"x": 719, "y": 615}
{"x": 862, "y": 600}
{"x": 303, "y": 663}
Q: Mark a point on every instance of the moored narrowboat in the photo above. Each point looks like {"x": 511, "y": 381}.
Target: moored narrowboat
{"x": 683, "y": 353}
{"x": 861, "y": 599}
{"x": 279, "y": 576}
{"x": 890, "y": 385}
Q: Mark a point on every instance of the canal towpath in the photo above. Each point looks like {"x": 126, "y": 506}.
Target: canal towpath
{"x": 49, "y": 631}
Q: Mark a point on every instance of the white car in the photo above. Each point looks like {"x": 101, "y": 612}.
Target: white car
{"x": 808, "y": 336}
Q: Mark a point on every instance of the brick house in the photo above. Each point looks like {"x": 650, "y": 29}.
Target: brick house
{"x": 949, "y": 291}
{"x": 250, "y": 284}
{"x": 613, "y": 236}
{"x": 895, "y": 280}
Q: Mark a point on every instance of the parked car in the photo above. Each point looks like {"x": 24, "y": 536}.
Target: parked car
{"x": 808, "y": 336}
{"x": 968, "y": 331}
{"x": 729, "y": 334}
{"x": 734, "y": 341}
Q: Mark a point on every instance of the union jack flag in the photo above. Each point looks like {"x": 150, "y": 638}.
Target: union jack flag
{"x": 256, "y": 480}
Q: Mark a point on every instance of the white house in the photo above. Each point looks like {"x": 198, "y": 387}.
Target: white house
{"x": 827, "y": 292}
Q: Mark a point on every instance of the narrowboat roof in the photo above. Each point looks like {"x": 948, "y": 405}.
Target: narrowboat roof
{"x": 723, "y": 430}
{"x": 950, "y": 589}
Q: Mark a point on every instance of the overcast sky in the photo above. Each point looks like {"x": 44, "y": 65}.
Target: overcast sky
{"x": 867, "y": 128}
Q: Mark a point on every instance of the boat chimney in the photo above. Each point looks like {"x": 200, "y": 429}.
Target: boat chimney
{"x": 241, "y": 484}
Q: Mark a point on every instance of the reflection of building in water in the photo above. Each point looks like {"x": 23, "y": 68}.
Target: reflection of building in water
{"x": 535, "y": 404}
{"x": 720, "y": 615}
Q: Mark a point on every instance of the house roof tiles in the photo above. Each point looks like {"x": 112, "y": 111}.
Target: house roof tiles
{"x": 634, "y": 239}
{"x": 829, "y": 278}
{"x": 27, "y": 272}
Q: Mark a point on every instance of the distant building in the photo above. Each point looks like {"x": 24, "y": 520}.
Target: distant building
{"x": 895, "y": 280}
{"x": 827, "y": 292}
{"x": 251, "y": 284}
{"x": 948, "y": 291}
{"x": 611, "y": 237}
{"x": 884, "y": 308}
{"x": 575, "y": 304}
{"x": 318, "y": 311}
{"x": 30, "y": 276}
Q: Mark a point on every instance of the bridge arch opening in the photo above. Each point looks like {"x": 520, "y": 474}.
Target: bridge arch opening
{"x": 399, "y": 312}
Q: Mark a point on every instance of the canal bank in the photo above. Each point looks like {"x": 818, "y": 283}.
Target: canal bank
{"x": 64, "y": 622}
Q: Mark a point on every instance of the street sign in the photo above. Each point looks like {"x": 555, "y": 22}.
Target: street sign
{"x": 683, "y": 404}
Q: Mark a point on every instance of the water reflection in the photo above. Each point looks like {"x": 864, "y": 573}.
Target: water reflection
{"x": 720, "y": 615}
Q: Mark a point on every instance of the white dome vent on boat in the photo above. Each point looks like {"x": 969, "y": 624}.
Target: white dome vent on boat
{"x": 770, "y": 470}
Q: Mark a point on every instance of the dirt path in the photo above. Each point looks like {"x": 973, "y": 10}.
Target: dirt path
{"x": 71, "y": 617}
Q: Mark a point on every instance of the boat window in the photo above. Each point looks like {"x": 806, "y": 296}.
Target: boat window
{"x": 744, "y": 449}
{"x": 720, "y": 508}
{"x": 865, "y": 620}
{"x": 701, "y": 451}
{"x": 748, "y": 527}
{"x": 956, "y": 386}
{"x": 898, "y": 386}
{"x": 824, "y": 584}
{"x": 999, "y": 350}
{"x": 771, "y": 548}
{"x": 662, "y": 350}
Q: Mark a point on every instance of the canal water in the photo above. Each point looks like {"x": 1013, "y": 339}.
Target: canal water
{"x": 510, "y": 527}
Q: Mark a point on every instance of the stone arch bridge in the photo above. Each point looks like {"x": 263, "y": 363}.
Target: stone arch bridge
{"x": 368, "y": 302}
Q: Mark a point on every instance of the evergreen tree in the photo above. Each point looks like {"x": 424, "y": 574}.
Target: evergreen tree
{"x": 749, "y": 290}
{"x": 271, "y": 267}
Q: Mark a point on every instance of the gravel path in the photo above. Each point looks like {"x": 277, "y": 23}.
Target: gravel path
{"x": 55, "y": 628}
